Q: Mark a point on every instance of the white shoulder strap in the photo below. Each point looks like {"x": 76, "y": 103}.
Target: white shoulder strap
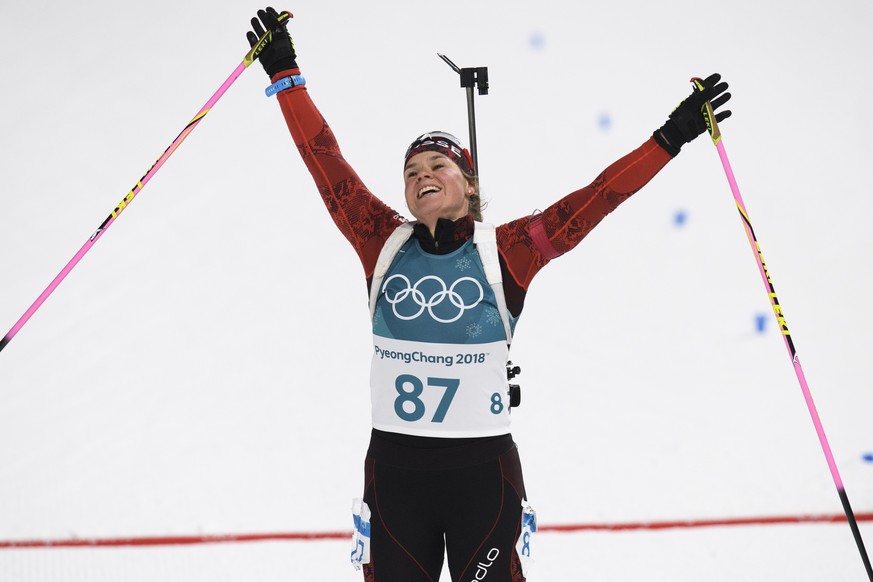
{"x": 485, "y": 239}
{"x": 389, "y": 250}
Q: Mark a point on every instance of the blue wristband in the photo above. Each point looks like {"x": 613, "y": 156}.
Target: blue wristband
{"x": 285, "y": 83}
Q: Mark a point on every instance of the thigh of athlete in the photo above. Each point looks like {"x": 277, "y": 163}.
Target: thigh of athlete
{"x": 406, "y": 526}
{"x": 484, "y": 522}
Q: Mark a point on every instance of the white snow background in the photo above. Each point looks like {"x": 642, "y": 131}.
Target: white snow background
{"x": 204, "y": 369}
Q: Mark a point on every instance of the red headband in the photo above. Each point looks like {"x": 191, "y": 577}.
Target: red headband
{"x": 444, "y": 143}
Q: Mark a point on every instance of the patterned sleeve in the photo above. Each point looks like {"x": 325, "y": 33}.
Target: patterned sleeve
{"x": 361, "y": 217}
{"x": 528, "y": 243}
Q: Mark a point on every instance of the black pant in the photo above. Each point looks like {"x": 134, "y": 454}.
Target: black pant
{"x": 463, "y": 501}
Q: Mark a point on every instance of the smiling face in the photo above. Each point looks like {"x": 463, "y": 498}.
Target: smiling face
{"x": 435, "y": 188}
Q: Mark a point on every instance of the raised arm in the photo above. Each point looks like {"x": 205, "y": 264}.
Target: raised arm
{"x": 361, "y": 217}
{"x": 527, "y": 244}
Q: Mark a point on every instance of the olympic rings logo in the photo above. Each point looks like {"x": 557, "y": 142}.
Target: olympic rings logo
{"x": 413, "y": 293}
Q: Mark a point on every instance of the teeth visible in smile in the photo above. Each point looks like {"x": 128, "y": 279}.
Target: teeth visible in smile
{"x": 427, "y": 190}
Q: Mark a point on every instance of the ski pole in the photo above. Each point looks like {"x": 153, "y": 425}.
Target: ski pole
{"x": 250, "y": 57}
{"x": 715, "y": 134}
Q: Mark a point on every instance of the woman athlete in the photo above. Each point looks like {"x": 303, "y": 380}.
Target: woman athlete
{"x": 442, "y": 473}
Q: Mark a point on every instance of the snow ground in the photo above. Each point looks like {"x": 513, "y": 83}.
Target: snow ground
{"x": 203, "y": 369}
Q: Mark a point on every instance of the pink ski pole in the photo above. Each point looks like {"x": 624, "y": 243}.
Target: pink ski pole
{"x": 715, "y": 134}
{"x": 250, "y": 57}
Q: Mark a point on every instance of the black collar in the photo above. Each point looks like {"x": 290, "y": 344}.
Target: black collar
{"x": 448, "y": 235}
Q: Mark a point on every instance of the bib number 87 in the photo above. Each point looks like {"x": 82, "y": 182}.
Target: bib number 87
{"x": 410, "y": 407}
{"x": 409, "y": 389}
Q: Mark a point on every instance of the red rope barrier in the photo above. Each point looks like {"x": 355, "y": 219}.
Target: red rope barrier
{"x": 315, "y": 536}
{"x": 739, "y": 521}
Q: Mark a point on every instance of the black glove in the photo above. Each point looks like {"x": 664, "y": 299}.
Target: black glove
{"x": 279, "y": 55}
{"x": 687, "y": 121}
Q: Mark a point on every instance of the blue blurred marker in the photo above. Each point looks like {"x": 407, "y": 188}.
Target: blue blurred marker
{"x": 761, "y": 322}
{"x": 680, "y": 218}
{"x": 537, "y": 40}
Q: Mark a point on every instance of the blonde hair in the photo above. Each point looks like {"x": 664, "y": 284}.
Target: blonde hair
{"x": 475, "y": 205}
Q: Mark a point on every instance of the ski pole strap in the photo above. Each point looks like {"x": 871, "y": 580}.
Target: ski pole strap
{"x": 284, "y": 83}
